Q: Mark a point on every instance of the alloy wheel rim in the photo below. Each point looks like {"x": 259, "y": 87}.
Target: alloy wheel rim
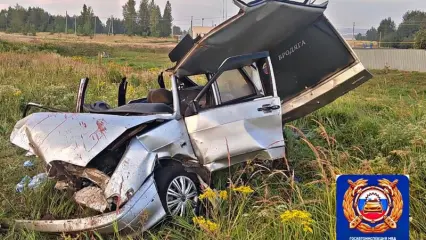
{"x": 180, "y": 192}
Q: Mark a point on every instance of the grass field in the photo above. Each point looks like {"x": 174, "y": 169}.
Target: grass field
{"x": 378, "y": 128}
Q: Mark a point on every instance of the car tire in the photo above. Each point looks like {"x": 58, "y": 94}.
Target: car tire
{"x": 177, "y": 187}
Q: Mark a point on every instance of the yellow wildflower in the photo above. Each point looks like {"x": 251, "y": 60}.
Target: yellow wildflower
{"x": 101, "y": 84}
{"x": 301, "y": 217}
{"x": 307, "y": 229}
{"x": 211, "y": 226}
{"x": 205, "y": 224}
{"x": 223, "y": 195}
{"x": 244, "y": 189}
{"x": 17, "y": 93}
{"x": 131, "y": 90}
{"x": 209, "y": 194}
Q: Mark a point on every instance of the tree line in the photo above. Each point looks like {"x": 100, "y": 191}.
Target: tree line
{"x": 411, "y": 29}
{"x": 147, "y": 21}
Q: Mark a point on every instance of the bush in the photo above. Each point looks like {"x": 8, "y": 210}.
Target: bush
{"x": 134, "y": 81}
{"x": 114, "y": 75}
{"x": 420, "y": 39}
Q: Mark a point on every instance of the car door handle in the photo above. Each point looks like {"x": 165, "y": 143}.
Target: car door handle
{"x": 267, "y": 108}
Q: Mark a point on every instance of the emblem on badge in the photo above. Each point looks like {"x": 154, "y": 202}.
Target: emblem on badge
{"x": 373, "y": 209}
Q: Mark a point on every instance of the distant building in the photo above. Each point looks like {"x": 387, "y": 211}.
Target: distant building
{"x": 198, "y": 31}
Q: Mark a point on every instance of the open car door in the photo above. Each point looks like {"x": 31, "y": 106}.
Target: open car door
{"x": 313, "y": 64}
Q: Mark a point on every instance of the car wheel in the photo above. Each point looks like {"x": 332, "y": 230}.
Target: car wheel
{"x": 177, "y": 189}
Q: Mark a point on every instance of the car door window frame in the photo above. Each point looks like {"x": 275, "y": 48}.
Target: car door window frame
{"x": 249, "y": 97}
{"x": 236, "y": 62}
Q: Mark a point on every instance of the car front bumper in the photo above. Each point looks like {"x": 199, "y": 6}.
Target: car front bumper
{"x": 143, "y": 210}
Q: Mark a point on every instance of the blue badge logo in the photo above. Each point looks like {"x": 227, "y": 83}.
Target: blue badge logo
{"x": 372, "y": 207}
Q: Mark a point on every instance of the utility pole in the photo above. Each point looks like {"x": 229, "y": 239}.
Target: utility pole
{"x": 380, "y": 39}
{"x": 94, "y": 29}
{"x": 353, "y": 34}
{"x": 112, "y": 24}
{"x": 192, "y": 19}
{"x": 109, "y": 26}
{"x": 202, "y": 22}
{"x": 66, "y": 22}
{"x": 75, "y": 25}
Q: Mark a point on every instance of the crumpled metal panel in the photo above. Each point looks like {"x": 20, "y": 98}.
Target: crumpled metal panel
{"x": 60, "y": 170}
{"x": 92, "y": 197}
{"x": 242, "y": 126}
{"x": 143, "y": 209}
{"x": 74, "y": 138}
{"x": 266, "y": 154}
{"x": 167, "y": 140}
{"x": 135, "y": 166}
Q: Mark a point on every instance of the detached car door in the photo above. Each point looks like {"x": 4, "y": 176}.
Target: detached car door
{"x": 246, "y": 121}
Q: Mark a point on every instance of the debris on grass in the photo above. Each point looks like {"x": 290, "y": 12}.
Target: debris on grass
{"x": 28, "y": 164}
{"x": 21, "y": 185}
{"x": 33, "y": 183}
{"x": 37, "y": 180}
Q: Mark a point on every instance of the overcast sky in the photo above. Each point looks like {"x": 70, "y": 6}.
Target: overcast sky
{"x": 342, "y": 13}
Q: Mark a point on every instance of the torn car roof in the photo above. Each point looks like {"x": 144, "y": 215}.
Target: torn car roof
{"x": 259, "y": 27}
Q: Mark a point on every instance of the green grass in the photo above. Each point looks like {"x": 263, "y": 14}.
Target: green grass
{"x": 378, "y": 128}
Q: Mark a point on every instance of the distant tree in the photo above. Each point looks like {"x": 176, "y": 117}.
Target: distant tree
{"x": 85, "y": 21}
{"x": 59, "y": 24}
{"x": 155, "y": 18}
{"x": 166, "y": 21}
{"x": 359, "y": 37}
{"x": 412, "y": 22}
{"x": 129, "y": 14}
{"x": 119, "y": 27}
{"x": 18, "y": 18}
{"x": 3, "y": 19}
{"x": 372, "y": 34}
{"x": 177, "y": 30}
{"x": 144, "y": 18}
{"x": 44, "y": 20}
{"x": 420, "y": 39}
{"x": 99, "y": 25}
{"x": 387, "y": 26}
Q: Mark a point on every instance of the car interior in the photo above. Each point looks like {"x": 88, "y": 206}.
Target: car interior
{"x": 236, "y": 85}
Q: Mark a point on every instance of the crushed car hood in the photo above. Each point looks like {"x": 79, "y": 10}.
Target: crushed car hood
{"x": 75, "y": 138}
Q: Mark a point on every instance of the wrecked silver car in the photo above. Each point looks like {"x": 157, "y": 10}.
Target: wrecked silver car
{"x": 273, "y": 62}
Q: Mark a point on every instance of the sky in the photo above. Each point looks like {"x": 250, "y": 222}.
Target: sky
{"x": 342, "y": 13}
